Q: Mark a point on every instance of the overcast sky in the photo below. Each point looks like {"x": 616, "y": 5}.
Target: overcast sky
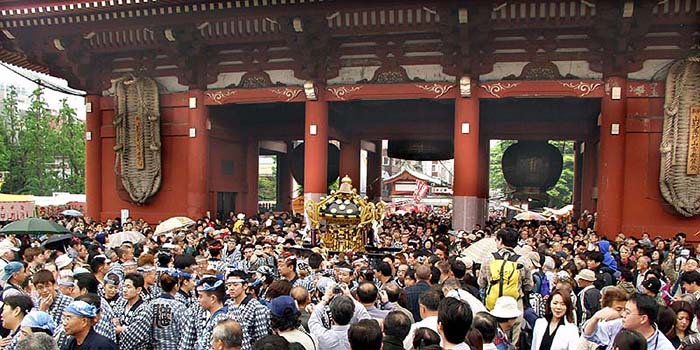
{"x": 53, "y": 98}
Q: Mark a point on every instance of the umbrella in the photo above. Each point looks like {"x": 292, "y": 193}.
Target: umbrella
{"x": 530, "y": 216}
{"x": 173, "y": 224}
{"x": 33, "y": 225}
{"x": 57, "y": 242}
{"x": 480, "y": 250}
{"x": 120, "y": 238}
{"x": 71, "y": 212}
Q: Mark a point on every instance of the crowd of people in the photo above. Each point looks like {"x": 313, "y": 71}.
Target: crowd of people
{"x": 255, "y": 283}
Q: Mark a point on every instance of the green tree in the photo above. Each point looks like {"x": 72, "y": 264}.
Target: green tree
{"x": 562, "y": 193}
{"x": 267, "y": 184}
{"x": 42, "y": 152}
{"x": 71, "y": 146}
{"x": 497, "y": 181}
{"x": 9, "y": 138}
{"x": 559, "y": 195}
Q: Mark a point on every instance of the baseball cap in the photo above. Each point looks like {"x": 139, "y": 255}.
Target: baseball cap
{"x": 11, "y": 268}
{"x": 283, "y": 306}
{"x": 652, "y": 284}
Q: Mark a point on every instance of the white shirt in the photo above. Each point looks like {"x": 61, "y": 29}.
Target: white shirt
{"x": 566, "y": 338}
{"x": 475, "y": 304}
{"x": 428, "y": 322}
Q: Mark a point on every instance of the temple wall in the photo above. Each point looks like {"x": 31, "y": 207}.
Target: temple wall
{"x": 171, "y": 199}
{"x": 644, "y": 209}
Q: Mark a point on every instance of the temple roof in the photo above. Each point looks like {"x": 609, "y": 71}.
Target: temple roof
{"x": 418, "y": 175}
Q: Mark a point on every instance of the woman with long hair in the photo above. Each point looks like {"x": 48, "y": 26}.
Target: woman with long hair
{"x": 556, "y": 330}
{"x": 684, "y": 317}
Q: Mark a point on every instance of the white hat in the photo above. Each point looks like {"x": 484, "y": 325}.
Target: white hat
{"x": 240, "y": 216}
{"x": 63, "y": 261}
{"x": 506, "y": 307}
{"x": 6, "y": 246}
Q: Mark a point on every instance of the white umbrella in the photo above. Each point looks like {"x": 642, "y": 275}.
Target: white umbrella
{"x": 173, "y": 224}
{"x": 530, "y": 216}
{"x": 71, "y": 212}
{"x": 480, "y": 250}
{"x": 120, "y": 238}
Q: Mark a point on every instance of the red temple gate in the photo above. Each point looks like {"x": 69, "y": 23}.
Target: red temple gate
{"x": 235, "y": 74}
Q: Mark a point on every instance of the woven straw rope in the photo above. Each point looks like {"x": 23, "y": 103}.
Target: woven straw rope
{"x": 681, "y": 190}
{"x": 137, "y": 98}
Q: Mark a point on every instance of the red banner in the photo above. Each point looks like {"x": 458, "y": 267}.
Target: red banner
{"x": 422, "y": 188}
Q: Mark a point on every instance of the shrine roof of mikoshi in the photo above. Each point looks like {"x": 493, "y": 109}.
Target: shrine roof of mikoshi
{"x": 199, "y": 42}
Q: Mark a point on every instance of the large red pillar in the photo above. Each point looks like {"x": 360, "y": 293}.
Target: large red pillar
{"x": 484, "y": 161}
{"x": 284, "y": 180}
{"x": 350, "y": 160}
{"x": 198, "y": 157}
{"x": 316, "y": 148}
{"x": 578, "y": 169}
{"x": 374, "y": 172}
{"x": 611, "y": 158}
{"x": 467, "y": 206}
{"x": 93, "y": 157}
{"x": 588, "y": 178}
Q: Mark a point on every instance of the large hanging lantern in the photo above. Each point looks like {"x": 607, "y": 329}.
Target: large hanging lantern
{"x": 333, "y": 163}
{"x": 421, "y": 149}
{"x": 532, "y": 167}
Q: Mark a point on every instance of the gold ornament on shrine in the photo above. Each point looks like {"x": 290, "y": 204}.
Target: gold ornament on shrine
{"x": 347, "y": 217}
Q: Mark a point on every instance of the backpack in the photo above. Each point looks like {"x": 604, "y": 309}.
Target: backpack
{"x": 504, "y": 273}
{"x": 544, "y": 287}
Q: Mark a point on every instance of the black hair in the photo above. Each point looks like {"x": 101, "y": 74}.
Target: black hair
{"x": 92, "y": 299}
{"x": 183, "y": 261}
{"x": 96, "y": 262}
{"x": 315, "y": 260}
{"x": 21, "y": 301}
{"x": 425, "y": 337}
{"x": 459, "y": 269}
{"x": 629, "y": 340}
{"x": 646, "y": 305}
{"x": 435, "y": 275}
{"x": 136, "y": 279}
{"x": 456, "y": 319}
{"x": 87, "y": 281}
{"x": 486, "y": 325}
{"x": 508, "y": 236}
{"x": 595, "y": 256}
{"x": 397, "y": 324}
{"x": 666, "y": 319}
{"x": 626, "y": 275}
{"x": 219, "y": 292}
{"x": 365, "y": 335}
{"x": 367, "y": 292}
{"x": 240, "y": 274}
{"x": 430, "y": 299}
{"x": 342, "y": 309}
{"x": 384, "y": 268}
{"x": 691, "y": 277}
{"x": 289, "y": 321}
{"x": 271, "y": 342}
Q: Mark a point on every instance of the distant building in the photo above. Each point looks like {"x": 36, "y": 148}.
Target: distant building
{"x": 400, "y": 187}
